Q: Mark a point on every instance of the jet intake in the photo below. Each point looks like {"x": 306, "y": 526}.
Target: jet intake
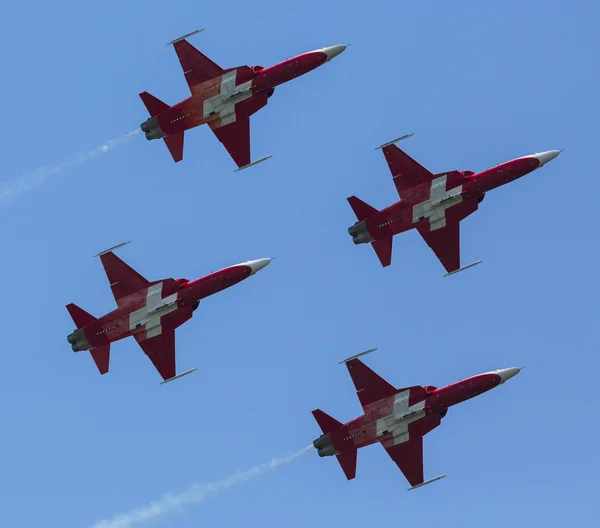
{"x": 152, "y": 129}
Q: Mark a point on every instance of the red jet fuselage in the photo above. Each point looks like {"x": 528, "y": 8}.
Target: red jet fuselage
{"x": 424, "y": 411}
{"x": 177, "y": 300}
{"x": 216, "y": 97}
{"x": 461, "y": 188}
{"x": 398, "y": 419}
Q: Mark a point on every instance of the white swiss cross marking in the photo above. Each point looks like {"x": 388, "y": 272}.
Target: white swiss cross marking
{"x": 439, "y": 200}
{"x": 230, "y": 94}
{"x": 151, "y": 314}
{"x": 402, "y": 415}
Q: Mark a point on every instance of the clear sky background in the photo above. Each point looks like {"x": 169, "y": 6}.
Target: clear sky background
{"x": 479, "y": 83}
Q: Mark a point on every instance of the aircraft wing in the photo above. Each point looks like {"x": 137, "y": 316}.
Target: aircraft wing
{"x": 196, "y": 66}
{"x": 234, "y": 130}
{"x": 123, "y": 279}
{"x": 409, "y": 176}
{"x": 408, "y": 456}
{"x": 445, "y": 241}
{"x": 370, "y": 386}
{"x": 161, "y": 351}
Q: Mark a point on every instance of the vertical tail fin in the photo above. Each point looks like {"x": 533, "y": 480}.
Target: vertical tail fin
{"x": 348, "y": 455}
{"x": 154, "y": 105}
{"x": 361, "y": 209}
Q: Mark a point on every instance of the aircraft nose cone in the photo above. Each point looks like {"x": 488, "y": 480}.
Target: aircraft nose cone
{"x": 506, "y": 374}
{"x": 333, "y": 51}
{"x": 257, "y": 265}
{"x": 545, "y": 157}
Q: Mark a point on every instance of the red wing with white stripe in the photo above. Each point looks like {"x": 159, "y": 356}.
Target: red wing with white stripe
{"x": 370, "y": 386}
{"x": 159, "y": 344}
{"x": 409, "y": 176}
{"x": 196, "y": 66}
{"x": 233, "y": 130}
{"x": 445, "y": 240}
{"x": 408, "y": 456}
{"x": 123, "y": 279}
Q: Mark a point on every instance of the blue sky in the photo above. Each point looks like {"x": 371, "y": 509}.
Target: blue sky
{"x": 479, "y": 83}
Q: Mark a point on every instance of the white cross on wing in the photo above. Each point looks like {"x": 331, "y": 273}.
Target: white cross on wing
{"x": 156, "y": 307}
{"x": 440, "y": 199}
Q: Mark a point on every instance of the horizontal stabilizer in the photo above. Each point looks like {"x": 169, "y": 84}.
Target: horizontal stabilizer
{"x": 326, "y": 422}
{"x": 80, "y": 317}
{"x": 154, "y": 105}
{"x": 361, "y": 209}
{"x": 174, "y": 143}
{"x": 383, "y": 248}
{"x": 347, "y": 460}
{"x": 101, "y": 356}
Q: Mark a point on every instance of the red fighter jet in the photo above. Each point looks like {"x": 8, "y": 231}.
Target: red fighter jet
{"x": 148, "y": 311}
{"x": 434, "y": 204}
{"x": 397, "y": 418}
{"x": 223, "y": 98}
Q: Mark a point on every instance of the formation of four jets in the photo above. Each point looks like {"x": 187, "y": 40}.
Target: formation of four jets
{"x": 434, "y": 204}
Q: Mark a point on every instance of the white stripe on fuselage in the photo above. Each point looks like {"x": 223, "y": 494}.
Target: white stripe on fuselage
{"x": 230, "y": 94}
{"x": 440, "y": 199}
{"x": 402, "y": 415}
{"x": 150, "y": 316}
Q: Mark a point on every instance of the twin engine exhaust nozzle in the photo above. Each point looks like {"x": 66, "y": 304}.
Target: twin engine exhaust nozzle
{"x": 324, "y": 446}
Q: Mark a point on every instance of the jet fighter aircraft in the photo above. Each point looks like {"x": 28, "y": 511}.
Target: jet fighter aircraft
{"x": 148, "y": 311}
{"x": 434, "y": 204}
{"x": 223, "y": 98}
{"x": 396, "y": 418}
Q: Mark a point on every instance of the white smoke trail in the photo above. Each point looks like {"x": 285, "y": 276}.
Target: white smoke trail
{"x": 31, "y": 180}
{"x": 196, "y": 494}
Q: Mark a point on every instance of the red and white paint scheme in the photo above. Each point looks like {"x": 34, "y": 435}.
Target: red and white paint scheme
{"x": 148, "y": 311}
{"x": 434, "y": 204}
{"x": 223, "y": 98}
{"x": 396, "y": 418}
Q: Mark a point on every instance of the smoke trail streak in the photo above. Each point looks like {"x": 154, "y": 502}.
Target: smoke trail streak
{"x": 30, "y": 180}
{"x": 196, "y": 494}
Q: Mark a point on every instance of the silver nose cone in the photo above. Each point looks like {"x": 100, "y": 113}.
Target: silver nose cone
{"x": 257, "y": 265}
{"x": 545, "y": 157}
{"x": 506, "y": 374}
{"x": 333, "y": 51}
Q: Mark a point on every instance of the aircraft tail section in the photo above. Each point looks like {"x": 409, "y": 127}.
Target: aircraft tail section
{"x": 361, "y": 209}
{"x": 101, "y": 356}
{"x": 383, "y": 248}
{"x": 174, "y": 143}
{"x": 80, "y": 317}
{"x": 331, "y": 443}
{"x": 154, "y": 105}
{"x": 326, "y": 422}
